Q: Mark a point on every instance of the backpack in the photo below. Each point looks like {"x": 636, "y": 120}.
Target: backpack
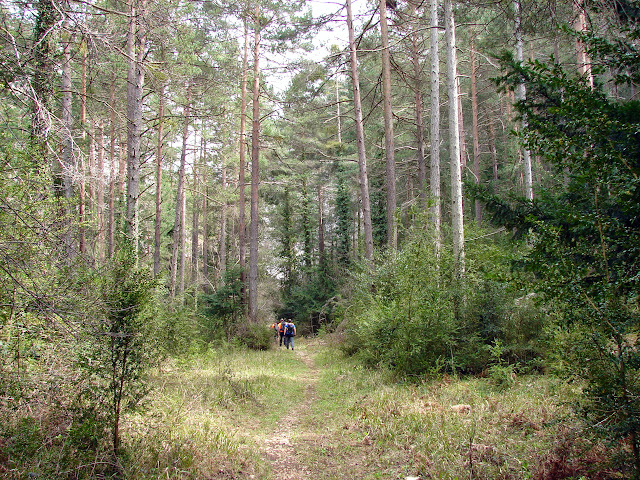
{"x": 281, "y": 327}
{"x": 289, "y": 331}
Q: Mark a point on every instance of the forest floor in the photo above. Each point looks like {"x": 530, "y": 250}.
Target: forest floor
{"x": 282, "y": 447}
{"x": 311, "y": 440}
{"x": 315, "y": 414}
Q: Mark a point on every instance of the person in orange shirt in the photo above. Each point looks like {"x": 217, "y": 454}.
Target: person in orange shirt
{"x": 281, "y": 327}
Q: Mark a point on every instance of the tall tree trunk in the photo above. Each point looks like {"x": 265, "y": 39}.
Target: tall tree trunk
{"x": 320, "y": 225}
{"x": 223, "y": 223}
{"x": 493, "y": 149}
{"x": 92, "y": 172}
{"x": 242, "y": 228}
{"x": 122, "y": 170}
{"x": 305, "y": 214}
{"x": 68, "y": 167}
{"x": 389, "y": 141}
{"x": 157, "y": 244}
{"x": 255, "y": 179}
{"x": 81, "y": 166}
{"x": 521, "y": 94}
{"x": 476, "y": 132}
{"x": 436, "y": 211}
{"x": 114, "y": 171}
{"x": 100, "y": 192}
{"x": 419, "y": 105}
{"x": 46, "y": 17}
{"x": 454, "y": 140}
{"x": 338, "y": 113}
{"x": 580, "y": 25}
{"x": 461, "y": 132}
{"x": 195, "y": 220}
{"x": 205, "y": 215}
{"x": 135, "y": 81}
{"x": 362, "y": 156}
{"x": 176, "y": 284}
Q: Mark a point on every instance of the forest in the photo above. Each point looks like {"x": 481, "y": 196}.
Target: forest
{"x": 444, "y": 197}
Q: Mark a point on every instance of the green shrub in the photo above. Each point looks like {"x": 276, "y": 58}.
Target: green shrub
{"x": 223, "y": 308}
{"x": 256, "y": 337}
{"x": 25, "y": 439}
{"x": 411, "y": 316}
{"x": 118, "y": 350}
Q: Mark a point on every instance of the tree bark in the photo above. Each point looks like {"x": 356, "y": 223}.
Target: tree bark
{"x": 580, "y": 25}
{"x": 521, "y": 94}
{"x": 454, "y": 140}
{"x": 461, "y": 132}
{"x": 135, "y": 81}
{"x": 419, "y": 105}
{"x": 362, "y": 156}
{"x": 92, "y": 172}
{"x": 176, "y": 284}
{"x": 195, "y": 221}
{"x": 157, "y": 244}
{"x": 81, "y": 166}
{"x": 436, "y": 212}
{"x": 46, "y": 17}
{"x": 223, "y": 222}
{"x": 100, "y": 177}
{"x": 493, "y": 149}
{"x": 242, "y": 228}
{"x": 476, "y": 132}
{"x": 389, "y": 141}
{"x": 205, "y": 220}
{"x": 67, "y": 167}
{"x": 113, "y": 178}
{"x": 67, "y": 124}
{"x": 320, "y": 224}
{"x": 255, "y": 180}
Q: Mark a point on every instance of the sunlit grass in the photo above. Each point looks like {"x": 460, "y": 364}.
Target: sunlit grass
{"x": 206, "y": 415}
{"x": 216, "y": 414}
{"x": 412, "y": 429}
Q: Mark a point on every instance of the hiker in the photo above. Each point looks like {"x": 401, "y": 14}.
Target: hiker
{"x": 290, "y": 332}
{"x": 274, "y": 327}
{"x": 281, "y": 327}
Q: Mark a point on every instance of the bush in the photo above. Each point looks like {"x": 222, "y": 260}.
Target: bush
{"x": 223, "y": 309}
{"x": 256, "y": 337}
{"x": 118, "y": 352}
{"x": 411, "y": 316}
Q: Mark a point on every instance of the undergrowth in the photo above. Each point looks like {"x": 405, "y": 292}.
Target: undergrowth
{"x": 460, "y": 427}
{"x": 210, "y": 414}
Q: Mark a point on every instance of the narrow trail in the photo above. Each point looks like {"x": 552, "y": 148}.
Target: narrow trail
{"x": 280, "y": 446}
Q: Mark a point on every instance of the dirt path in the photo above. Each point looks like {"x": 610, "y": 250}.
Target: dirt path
{"x": 280, "y": 447}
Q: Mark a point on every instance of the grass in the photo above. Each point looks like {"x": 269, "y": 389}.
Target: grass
{"x": 237, "y": 413}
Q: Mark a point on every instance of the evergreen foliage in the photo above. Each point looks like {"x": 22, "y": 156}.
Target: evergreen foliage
{"x": 120, "y": 354}
{"x": 584, "y": 233}
{"x": 344, "y": 220}
{"x": 405, "y": 316}
{"x": 223, "y": 308}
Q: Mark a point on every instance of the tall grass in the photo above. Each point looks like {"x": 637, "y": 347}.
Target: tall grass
{"x": 216, "y": 414}
{"x": 454, "y": 428}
